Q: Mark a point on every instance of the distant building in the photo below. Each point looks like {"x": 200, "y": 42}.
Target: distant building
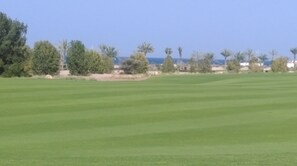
{"x": 247, "y": 64}
{"x": 244, "y": 64}
{"x": 290, "y": 64}
{"x": 266, "y": 69}
{"x": 117, "y": 69}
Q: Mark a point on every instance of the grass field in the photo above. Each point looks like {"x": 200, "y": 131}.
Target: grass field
{"x": 216, "y": 120}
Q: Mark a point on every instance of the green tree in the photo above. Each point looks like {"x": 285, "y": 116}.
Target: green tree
{"x": 226, "y": 53}
{"x": 294, "y": 52}
{"x": 145, "y": 48}
{"x": 46, "y": 58}
{"x": 76, "y": 59}
{"x": 136, "y": 64}
{"x": 28, "y": 63}
{"x": 280, "y": 65}
{"x": 168, "y": 64}
{"x": 94, "y": 62}
{"x": 12, "y": 46}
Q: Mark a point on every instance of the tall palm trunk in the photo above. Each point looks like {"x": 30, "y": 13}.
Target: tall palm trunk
{"x": 294, "y": 62}
{"x": 294, "y": 52}
{"x": 225, "y": 63}
{"x": 180, "y": 62}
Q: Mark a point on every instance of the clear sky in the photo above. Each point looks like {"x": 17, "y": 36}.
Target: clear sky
{"x": 196, "y": 25}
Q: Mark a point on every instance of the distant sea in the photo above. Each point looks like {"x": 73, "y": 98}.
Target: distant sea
{"x": 158, "y": 61}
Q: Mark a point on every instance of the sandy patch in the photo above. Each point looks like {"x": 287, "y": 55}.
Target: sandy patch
{"x": 105, "y": 77}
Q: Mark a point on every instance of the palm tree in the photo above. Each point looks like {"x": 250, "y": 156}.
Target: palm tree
{"x": 273, "y": 53}
{"x": 250, "y": 54}
{"x": 168, "y": 63}
{"x": 63, "y": 49}
{"x": 168, "y": 51}
{"x": 109, "y": 51}
{"x": 262, "y": 58}
{"x": 239, "y": 57}
{"x": 145, "y": 48}
{"x": 180, "y": 53}
{"x": 226, "y": 53}
{"x": 294, "y": 52}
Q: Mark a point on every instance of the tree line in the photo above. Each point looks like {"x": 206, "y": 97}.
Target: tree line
{"x": 18, "y": 59}
{"x": 254, "y": 62}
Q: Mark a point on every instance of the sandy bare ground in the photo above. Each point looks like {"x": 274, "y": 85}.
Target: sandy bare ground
{"x": 106, "y": 77}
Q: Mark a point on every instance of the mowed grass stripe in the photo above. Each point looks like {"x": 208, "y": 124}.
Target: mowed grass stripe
{"x": 93, "y": 117}
{"x": 210, "y": 119}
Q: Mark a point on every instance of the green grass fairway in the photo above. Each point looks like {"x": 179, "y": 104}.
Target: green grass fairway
{"x": 216, "y": 120}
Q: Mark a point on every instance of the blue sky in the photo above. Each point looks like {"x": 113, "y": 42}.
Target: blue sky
{"x": 196, "y": 25}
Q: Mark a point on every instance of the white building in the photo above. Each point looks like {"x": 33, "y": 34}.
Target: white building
{"x": 290, "y": 64}
{"x": 244, "y": 64}
{"x": 247, "y": 64}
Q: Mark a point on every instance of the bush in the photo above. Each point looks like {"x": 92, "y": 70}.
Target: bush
{"x": 193, "y": 65}
{"x": 107, "y": 64}
{"x": 280, "y": 65}
{"x": 233, "y": 66}
{"x": 94, "y": 62}
{"x": 136, "y": 64}
{"x": 168, "y": 65}
{"x": 254, "y": 65}
{"x": 204, "y": 64}
{"x": 255, "y": 68}
{"x": 11, "y": 70}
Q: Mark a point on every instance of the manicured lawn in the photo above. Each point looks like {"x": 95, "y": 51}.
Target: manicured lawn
{"x": 216, "y": 120}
